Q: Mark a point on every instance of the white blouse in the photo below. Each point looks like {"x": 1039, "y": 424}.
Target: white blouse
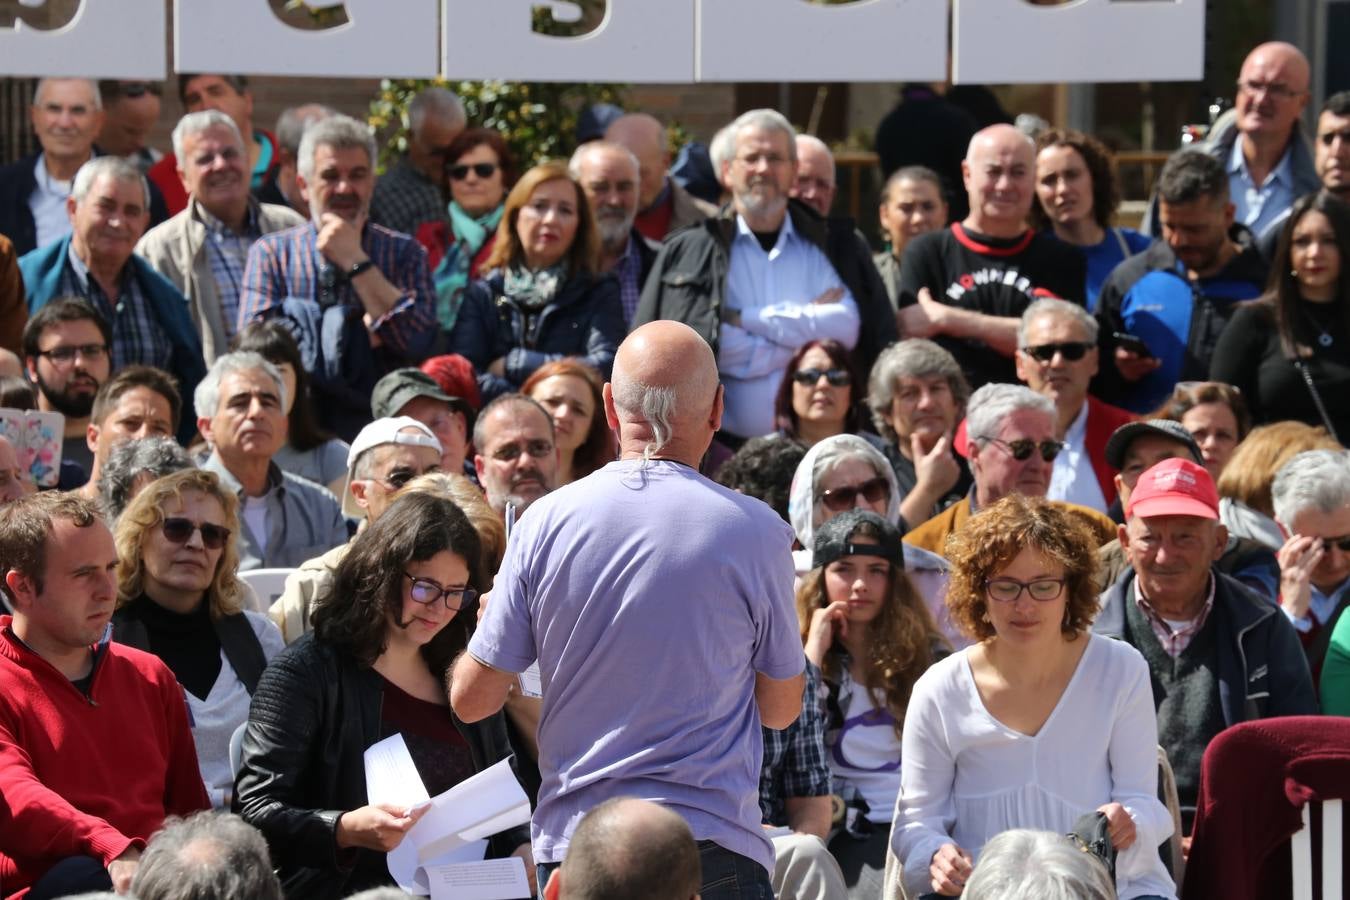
{"x": 967, "y": 777}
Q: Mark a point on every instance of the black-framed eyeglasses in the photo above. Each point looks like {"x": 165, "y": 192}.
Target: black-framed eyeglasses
{"x": 842, "y": 498}
{"x": 836, "y": 377}
{"x": 511, "y": 452}
{"x": 64, "y": 356}
{"x": 1071, "y": 351}
{"x": 1022, "y": 449}
{"x": 461, "y": 171}
{"x": 426, "y": 592}
{"x": 1007, "y": 590}
{"x": 179, "y": 531}
{"x": 1273, "y": 89}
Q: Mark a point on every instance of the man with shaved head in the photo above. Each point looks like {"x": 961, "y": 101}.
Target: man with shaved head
{"x": 629, "y": 849}
{"x": 967, "y": 286}
{"x": 659, "y": 607}
{"x": 664, "y": 206}
{"x": 816, "y": 184}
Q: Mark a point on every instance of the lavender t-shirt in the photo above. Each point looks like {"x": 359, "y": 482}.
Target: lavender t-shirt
{"x": 651, "y": 597}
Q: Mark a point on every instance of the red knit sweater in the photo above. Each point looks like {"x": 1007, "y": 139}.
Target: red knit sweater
{"x": 88, "y": 776}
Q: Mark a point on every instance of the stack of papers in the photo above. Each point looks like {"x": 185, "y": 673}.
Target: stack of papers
{"x": 442, "y": 855}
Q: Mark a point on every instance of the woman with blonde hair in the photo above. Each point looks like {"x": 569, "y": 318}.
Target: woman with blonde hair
{"x": 868, "y": 631}
{"x": 178, "y": 597}
{"x": 1038, "y": 723}
{"x": 1245, "y": 504}
{"x": 545, "y": 297}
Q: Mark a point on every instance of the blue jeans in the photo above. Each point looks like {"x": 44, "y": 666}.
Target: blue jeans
{"x": 726, "y": 875}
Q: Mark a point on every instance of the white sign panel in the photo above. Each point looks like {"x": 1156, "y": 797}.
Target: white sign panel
{"x": 103, "y": 40}
{"x": 380, "y": 39}
{"x": 1011, "y": 41}
{"x": 793, "y": 40}
{"x": 637, "y": 41}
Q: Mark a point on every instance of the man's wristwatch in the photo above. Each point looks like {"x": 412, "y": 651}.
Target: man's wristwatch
{"x": 360, "y": 267}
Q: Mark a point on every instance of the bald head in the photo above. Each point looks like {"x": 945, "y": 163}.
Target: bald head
{"x": 815, "y": 174}
{"x": 629, "y": 848}
{"x": 999, "y": 173}
{"x": 664, "y": 394}
{"x": 645, "y": 137}
{"x": 1272, "y": 91}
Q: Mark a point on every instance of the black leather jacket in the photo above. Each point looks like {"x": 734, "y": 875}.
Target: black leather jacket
{"x": 314, "y": 714}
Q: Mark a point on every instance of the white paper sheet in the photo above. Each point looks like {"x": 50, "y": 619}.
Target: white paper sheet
{"x": 391, "y": 776}
{"x": 472, "y": 810}
{"x": 493, "y": 879}
{"x": 531, "y": 683}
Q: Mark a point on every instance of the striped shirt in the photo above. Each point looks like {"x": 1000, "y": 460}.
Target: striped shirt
{"x": 288, "y": 264}
{"x": 227, "y": 253}
{"x": 138, "y": 338}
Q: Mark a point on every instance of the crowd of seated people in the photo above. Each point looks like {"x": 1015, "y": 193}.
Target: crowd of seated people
{"x": 1056, "y": 498}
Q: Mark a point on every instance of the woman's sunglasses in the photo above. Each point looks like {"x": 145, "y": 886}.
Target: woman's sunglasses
{"x": 840, "y": 499}
{"x": 482, "y": 170}
{"x": 836, "y": 377}
{"x": 179, "y": 531}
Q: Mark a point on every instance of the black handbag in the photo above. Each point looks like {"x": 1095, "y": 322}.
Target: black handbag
{"x": 1092, "y": 834}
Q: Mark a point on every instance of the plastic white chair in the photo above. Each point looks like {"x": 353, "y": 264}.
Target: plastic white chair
{"x": 267, "y": 585}
{"x": 1300, "y": 851}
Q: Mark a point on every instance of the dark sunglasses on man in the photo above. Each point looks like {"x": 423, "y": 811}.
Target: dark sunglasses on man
{"x": 1022, "y": 449}
{"x": 808, "y": 377}
{"x": 1071, "y": 350}
{"x": 874, "y": 491}
{"x": 482, "y": 170}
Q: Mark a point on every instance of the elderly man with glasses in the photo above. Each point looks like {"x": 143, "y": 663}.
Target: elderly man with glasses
{"x": 1009, "y": 438}
{"x": 517, "y": 458}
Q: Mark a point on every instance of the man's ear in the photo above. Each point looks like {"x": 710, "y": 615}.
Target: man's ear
{"x": 204, "y": 426}
{"x": 91, "y": 432}
{"x": 479, "y": 467}
{"x": 22, "y": 590}
{"x": 611, "y": 412}
{"x": 553, "y": 890}
{"x": 357, "y": 487}
{"x": 1123, "y": 535}
{"x": 1220, "y": 540}
{"x": 718, "y": 407}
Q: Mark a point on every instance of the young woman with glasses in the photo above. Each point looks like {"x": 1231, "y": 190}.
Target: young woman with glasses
{"x": 821, "y": 394}
{"x": 178, "y": 598}
{"x": 400, "y": 608}
{"x": 868, "y": 631}
{"x": 1036, "y": 724}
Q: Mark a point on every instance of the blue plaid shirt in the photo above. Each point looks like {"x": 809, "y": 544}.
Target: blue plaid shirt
{"x": 794, "y": 758}
{"x": 288, "y": 264}
{"x": 137, "y": 335}
{"x": 227, "y": 253}
{"x": 627, "y": 270}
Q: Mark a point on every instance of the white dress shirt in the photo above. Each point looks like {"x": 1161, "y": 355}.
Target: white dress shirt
{"x": 1072, "y": 479}
{"x": 48, "y": 204}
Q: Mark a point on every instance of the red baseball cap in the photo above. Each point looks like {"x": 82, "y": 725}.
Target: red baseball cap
{"x": 1174, "y": 487}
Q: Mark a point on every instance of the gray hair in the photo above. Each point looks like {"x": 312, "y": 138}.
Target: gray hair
{"x": 206, "y": 398}
{"x": 910, "y": 358}
{"x": 89, "y": 82}
{"x": 654, "y": 404}
{"x": 1313, "y": 480}
{"x": 437, "y": 102}
{"x": 1023, "y": 864}
{"x": 207, "y": 856}
{"x": 993, "y": 403}
{"x": 765, "y": 120}
{"x": 114, "y": 167}
{"x": 480, "y": 427}
{"x": 128, "y": 461}
{"x": 843, "y": 447}
{"x": 574, "y": 164}
{"x": 293, "y": 121}
{"x": 820, "y": 145}
{"x": 1052, "y": 307}
{"x": 196, "y": 123}
{"x": 339, "y": 132}
{"x": 381, "y": 893}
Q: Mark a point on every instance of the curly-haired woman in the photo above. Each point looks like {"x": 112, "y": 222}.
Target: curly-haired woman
{"x": 1038, "y": 723}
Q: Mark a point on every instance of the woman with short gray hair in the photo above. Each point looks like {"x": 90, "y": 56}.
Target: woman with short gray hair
{"x": 917, "y": 394}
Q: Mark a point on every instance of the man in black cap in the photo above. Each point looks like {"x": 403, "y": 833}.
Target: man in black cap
{"x": 413, "y": 393}
{"x": 1138, "y": 446}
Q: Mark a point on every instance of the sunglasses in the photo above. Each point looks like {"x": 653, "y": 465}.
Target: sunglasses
{"x": 135, "y": 89}
{"x": 1021, "y": 450}
{"x": 179, "y": 531}
{"x": 1341, "y": 543}
{"x": 836, "y": 377}
{"x": 840, "y": 499}
{"x": 1007, "y": 590}
{"x": 426, "y": 592}
{"x": 1071, "y": 350}
{"x": 482, "y": 170}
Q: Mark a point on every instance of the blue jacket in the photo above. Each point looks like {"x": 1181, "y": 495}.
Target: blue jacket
{"x": 1262, "y": 673}
{"x": 1150, "y": 297}
{"x": 41, "y": 270}
{"x": 585, "y": 320}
